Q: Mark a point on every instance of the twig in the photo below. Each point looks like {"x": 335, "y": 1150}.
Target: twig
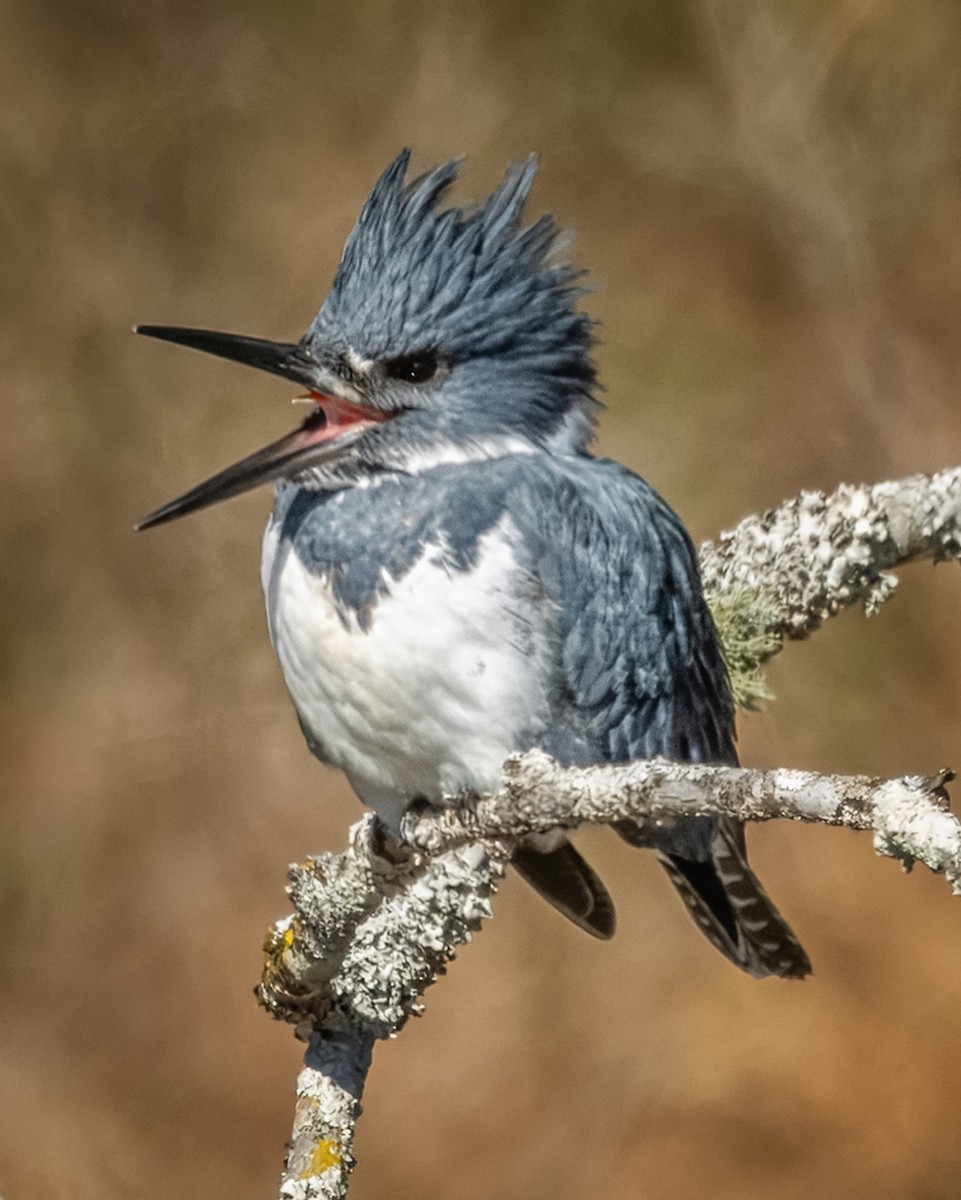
{"x": 814, "y": 555}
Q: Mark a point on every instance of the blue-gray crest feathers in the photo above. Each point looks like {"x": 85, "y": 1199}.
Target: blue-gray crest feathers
{"x": 470, "y": 282}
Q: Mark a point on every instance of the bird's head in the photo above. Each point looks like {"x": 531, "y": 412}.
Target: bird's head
{"x": 448, "y": 335}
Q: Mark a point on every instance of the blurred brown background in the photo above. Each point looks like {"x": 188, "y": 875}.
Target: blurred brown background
{"x": 768, "y": 195}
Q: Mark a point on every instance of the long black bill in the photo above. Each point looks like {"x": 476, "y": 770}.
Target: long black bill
{"x": 279, "y": 358}
{"x": 332, "y": 427}
{"x": 305, "y": 447}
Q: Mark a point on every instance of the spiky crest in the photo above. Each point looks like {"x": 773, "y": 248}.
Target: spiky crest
{"x": 472, "y": 281}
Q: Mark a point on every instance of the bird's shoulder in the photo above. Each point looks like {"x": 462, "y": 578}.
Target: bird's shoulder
{"x": 592, "y": 520}
{"x": 640, "y": 653}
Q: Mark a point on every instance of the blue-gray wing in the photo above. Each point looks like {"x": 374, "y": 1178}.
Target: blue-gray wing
{"x": 640, "y": 669}
{"x": 640, "y": 673}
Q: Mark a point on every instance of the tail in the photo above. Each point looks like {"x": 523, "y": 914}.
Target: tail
{"x": 733, "y": 910}
{"x": 565, "y": 880}
{"x": 723, "y": 893}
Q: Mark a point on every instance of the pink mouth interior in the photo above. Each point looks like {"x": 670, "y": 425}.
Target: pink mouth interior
{"x": 334, "y": 416}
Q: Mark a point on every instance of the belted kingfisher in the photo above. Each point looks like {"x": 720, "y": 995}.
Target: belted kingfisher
{"x": 451, "y": 576}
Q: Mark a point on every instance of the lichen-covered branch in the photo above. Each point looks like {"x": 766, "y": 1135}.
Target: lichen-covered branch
{"x": 329, "y": 1089}
{"x": 781, "y": 574}
{"x": 408, "y": 917}
{"x": 908, "y": 816}
{"x": 374, "y": 926}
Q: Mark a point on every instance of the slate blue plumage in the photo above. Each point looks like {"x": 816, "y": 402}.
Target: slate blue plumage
{"x": 638, "y": 650}
{"x": 451, "y": 576}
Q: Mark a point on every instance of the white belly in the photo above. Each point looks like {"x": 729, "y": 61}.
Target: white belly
{"x": 431, "y": 698}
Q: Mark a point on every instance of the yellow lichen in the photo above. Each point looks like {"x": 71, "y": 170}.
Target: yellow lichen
{"x": 323, "y": 1156}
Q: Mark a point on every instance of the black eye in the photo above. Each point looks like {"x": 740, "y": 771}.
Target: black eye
{"x": 413, "y": 368}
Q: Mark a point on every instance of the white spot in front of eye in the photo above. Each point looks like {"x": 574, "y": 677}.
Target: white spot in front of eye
{"x": 358, "y": 363}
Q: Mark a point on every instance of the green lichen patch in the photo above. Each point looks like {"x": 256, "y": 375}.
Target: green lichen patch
{"x": 744, "y": 618}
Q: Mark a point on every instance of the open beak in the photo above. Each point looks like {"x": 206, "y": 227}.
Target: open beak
{"x": 333, "y": 425}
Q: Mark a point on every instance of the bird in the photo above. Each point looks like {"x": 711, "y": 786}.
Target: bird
{"x": 452, "y": 575}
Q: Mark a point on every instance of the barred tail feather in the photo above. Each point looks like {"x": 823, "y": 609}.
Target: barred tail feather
{"x": 731, "y": 907}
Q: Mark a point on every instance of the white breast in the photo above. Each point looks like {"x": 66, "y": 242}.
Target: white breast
{"x": 433, "y": 696}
